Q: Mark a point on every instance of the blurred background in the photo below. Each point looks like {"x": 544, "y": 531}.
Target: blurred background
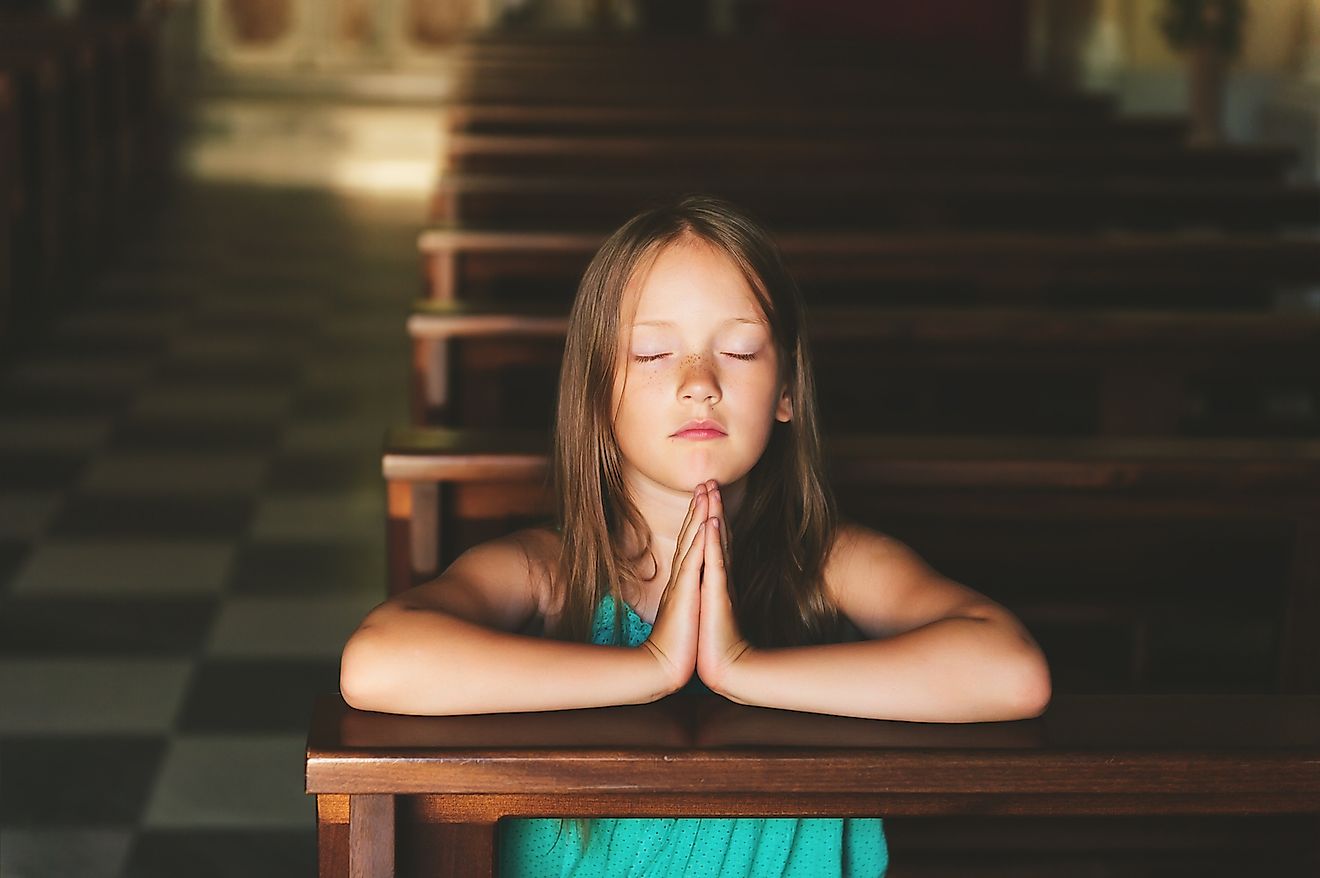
{"x": 344, "y": 92}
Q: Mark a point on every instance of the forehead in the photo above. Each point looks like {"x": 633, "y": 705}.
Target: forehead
{"x": 689, "y": 279}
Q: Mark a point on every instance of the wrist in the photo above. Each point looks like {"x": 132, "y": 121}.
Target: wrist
{"x": 667, "y": 679}
{"x": 725, "y": 680}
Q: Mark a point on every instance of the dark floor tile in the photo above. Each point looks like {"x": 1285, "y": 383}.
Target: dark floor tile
{"x": 83, "y": 627}
{"x": 39, "y": 470}
{"x": 104, "y": 515}
{"x": 329, "y": 403}
{"x": 323, "y": 471}
{"x": 12, "y": 554}
{"x": 223, "y": 853}
{"x": 255, "y": 696}
{"x": 266, "y": 371}
{"x": 296, "y": 568}
{"x": 373, "y": 347}
{"x": 180, "y": 435}
{"x": 75, "y": 780}
{"x": 273, "y": 326}
{"x": 126, "y": 348}
{"x": 122, "y": 296}
{"x": 360, "y": 406}
{"x": 41, "y": 400}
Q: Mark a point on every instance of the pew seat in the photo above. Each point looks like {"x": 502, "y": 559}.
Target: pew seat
{"x": 891, "y": 155}
{"x": 873, "y": 265}
{"x": 1221, "y": 784}
{"x": 571, "y": 118}
{"x": 935, "y": 201}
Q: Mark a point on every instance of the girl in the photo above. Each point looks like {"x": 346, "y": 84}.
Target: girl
{"x": 696, "y": 543}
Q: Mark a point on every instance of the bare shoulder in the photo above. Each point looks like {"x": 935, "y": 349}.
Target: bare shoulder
{"x": 502, "y": 583}
{"x": 885, "y": 588}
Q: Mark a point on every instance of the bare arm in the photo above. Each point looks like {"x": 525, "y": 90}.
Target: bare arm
{"x": 447, "y": 647}
{"x": 940, "y": 652}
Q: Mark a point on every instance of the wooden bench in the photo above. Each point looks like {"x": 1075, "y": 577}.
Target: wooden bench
{"x": 993, "y": 203}
{"x": 96, "y": 133}
{"x": 83, "y": 92}
{"x": 42, "y": 227}
{"x": 930, "y": 370}
{"x": 100, "y": 51}
{"x": 756, "y": 83}
{"x": 889, "y": 155}
{"x": 1141, "y": 563}
{"x": 1212, "y": 785}
{"x": 576, "y": 119}
{"x": 11, "y": 194}
{"x": 1119, "y": 270}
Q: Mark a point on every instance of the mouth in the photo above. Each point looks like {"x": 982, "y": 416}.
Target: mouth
{"x": 703, "y": 429}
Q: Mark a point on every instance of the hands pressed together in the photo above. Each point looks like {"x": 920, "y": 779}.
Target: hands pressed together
{"x": 695, "y": 628}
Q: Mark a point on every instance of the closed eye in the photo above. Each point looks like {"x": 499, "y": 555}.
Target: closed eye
{"x": 739, "y": 356}
{"x": 646, "y": 358}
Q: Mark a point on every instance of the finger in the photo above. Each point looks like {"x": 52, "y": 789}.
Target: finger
{"x": 717, "y": 512}
{"x": 701, "y": 509}
{"x": 714, "y": 549}
{"x": 696, "y": 553}
{"x": 688, "y": 522}
{"x": 691, "y": 510}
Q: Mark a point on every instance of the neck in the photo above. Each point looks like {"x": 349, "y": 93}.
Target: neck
{"x": 663, "y": 510}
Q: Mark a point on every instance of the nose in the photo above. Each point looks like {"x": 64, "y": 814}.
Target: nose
{"x": 698, "y": 382}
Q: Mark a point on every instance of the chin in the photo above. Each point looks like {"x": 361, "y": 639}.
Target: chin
{"x": 723, "y": 476}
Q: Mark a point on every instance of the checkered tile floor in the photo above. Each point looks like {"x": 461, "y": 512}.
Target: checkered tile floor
{"x": 191, "y": 524}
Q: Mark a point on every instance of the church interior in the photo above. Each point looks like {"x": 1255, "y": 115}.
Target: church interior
{"x": 283, "y": 295}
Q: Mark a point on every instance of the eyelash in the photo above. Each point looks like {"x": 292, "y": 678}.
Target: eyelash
{"x": 649, "y": 358}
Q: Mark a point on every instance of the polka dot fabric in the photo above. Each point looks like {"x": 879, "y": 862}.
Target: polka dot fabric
{"x": 723, "y": 847}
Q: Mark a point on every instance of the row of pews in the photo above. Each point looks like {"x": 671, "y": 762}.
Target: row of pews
{"x": 81, "y": 148}
{"x": 1069, "y": 359}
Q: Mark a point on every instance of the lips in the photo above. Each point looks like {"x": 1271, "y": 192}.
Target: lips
{"x": 699, "y": 429}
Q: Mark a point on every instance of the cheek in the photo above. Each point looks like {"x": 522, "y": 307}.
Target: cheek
{"x": 634, "y": 399}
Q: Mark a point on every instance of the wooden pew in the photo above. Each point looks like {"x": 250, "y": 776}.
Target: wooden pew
{"x": 577, "y": 119}
{"x": 1141, "y": 564}
{"x": 889, "y": 155}
{"x": 993, "y": 203}
{"x": 40, "y": 239}
{"x": 11, "y": 194}
{"x": 767, "y": 82}
{"x": 1212, "y": 785}
{"x": 100, "y": 52}
{"x": 965, "y": 371}
{"x": 1120, "y": 270}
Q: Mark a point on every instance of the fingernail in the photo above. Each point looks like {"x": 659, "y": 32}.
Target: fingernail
{"x": 715, "y": 523}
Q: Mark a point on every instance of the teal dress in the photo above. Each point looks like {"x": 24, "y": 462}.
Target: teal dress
{"x": 707, "y": 847}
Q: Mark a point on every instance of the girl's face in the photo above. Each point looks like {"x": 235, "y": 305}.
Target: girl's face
{"x": 696, "y": 385}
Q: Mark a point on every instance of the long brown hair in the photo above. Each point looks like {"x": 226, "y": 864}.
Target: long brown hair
{"x": 784, "y": 528}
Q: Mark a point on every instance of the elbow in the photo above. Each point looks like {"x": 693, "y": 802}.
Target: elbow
{"x": 359, "y": 681}
{"x": 1033, "y": 689}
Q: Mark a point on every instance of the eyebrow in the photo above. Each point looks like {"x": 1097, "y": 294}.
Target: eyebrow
{"x": 760, "y": 322}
